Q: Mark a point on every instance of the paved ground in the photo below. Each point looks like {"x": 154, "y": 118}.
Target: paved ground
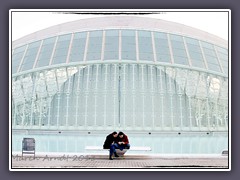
{"x": 128, "y": 161}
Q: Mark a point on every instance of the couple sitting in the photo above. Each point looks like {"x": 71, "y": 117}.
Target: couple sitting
{"x": 116, "y": 141}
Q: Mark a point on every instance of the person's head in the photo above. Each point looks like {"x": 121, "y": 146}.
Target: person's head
{"x": 115, "y": 134}
{"x": 120, "y": 134}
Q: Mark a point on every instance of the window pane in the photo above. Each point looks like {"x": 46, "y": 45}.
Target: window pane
{"x": 145, "y": 45}
{"x": 17, "y": 57}
{"x": 178, "y": 49}
{"x": 61, "y": 51}
{"x": 46, "y": 52}
{"x": 94, "y": 46}
{"x": 162, "y": 47}
{"x": 210, "y": 56}
{"x": 111, "y": 48}
{"x": 78, "y": 47}
{"x": 30, "y": 56}
{"x": 128, "y": 45}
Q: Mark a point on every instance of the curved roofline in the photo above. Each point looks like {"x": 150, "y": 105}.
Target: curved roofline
{"x": 121, "y": 22}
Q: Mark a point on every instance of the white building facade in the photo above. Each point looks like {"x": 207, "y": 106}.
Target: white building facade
{"x": 120, "y": 73}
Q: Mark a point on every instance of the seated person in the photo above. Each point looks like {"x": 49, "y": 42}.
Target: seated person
{"x": 110, "y": 139}
{"x": 121, "y": 143}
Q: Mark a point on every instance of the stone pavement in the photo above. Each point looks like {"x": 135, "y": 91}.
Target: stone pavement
{"x": 128, "y": 161}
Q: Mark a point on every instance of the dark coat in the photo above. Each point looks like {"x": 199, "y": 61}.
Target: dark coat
{"x": 109, "y": 140}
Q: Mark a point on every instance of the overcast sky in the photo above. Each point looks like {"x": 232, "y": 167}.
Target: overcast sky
{"x": 24, "y": 23}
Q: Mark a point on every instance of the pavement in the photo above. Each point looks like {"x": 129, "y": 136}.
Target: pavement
{"x": 98, "y": 161}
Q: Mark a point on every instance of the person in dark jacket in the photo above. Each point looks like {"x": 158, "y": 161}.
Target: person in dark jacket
{"x": 121, "y": 143}
{"x": 110, "y": 139}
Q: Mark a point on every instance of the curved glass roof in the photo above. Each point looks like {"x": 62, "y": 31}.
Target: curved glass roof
{"x": 120, "y": 45}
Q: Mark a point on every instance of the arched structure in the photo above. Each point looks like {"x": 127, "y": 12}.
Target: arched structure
{"x": 120, "y": 73}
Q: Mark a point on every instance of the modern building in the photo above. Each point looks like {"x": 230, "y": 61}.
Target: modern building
{"x": 135, "y": 74}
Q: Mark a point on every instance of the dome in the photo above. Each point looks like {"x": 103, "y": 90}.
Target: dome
{"x": 127, "y": 73}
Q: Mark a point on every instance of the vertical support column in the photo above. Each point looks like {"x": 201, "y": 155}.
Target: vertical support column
{"x": 152, "y": 98}
{"x": 20, "y": 64}
{"x": 86, "y": 47}
{"x": 170, "y": 49}
{"x": 96, "y": 95}
{"x": 103, "y": 45}
{"x": 123, "y": 123}
{"x": 218, "y": 59}
{"x": 58, "y": 99}
{"x": 208, "y": 109}
{"x": 204, "y": 59}
{"x": 188, "y": 56}
{"x": 70, "y": 48}
{"x": 49, "y": 110}
{"x": 119, "y": 95}
{"x": 68, "y": 97}
{"x": 133, "y": 95}
{"x": 115, "y": 105}
{"x": 37, "y": 56}
{"x": 77, "y": 97}
{"x": 162, "y": 96}
{"x": 87, "y": 94}
{"x": 143, "y": 96}
{"x": 171, "y": 99}
{"x": 24, "y": 105}
{"x": 32, "y": 98}
{"x": 53, "y": 52}
{"x": 154, "y": 48}
{"x": 105, "y": 96}
{"x": 40, "y": 113}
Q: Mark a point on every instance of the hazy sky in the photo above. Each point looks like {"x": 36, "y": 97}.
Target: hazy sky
{"x": 24, "y": 23}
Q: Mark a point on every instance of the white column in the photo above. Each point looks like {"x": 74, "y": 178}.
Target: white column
{"x": 70, "y": 48}
{"x": 143, "y": 96}
{"x": 96, "y": 95}
{"x": 86, "y": 47}
{"x": 87, "y": 94}
{"x": 67, "y": 96}
{"x": 133, "y": 96}
{"x": 152, "y": 98}
{"x": 103, "y": 46}
{"x": 53, "y": 51}
{"x": 34, "y": 79}
{"x": 188, "y": 56}
{"x": 154, "y": 48}
{"x": 77, "y": 97}
{"x": 37, "y": 56}
{"x": 170, "y": 49}
{"x": 105, "y": 96}
{"x": 58, "y": 99}
{"x": 21, "y": 62}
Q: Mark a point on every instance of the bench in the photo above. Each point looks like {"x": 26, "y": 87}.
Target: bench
{"x": 118, "y": 151}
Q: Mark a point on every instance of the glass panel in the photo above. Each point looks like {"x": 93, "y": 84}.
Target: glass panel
{"x": 145, "y": 45}
{"x": 162, "y": 47}
{"x": 111, "y": 48}
{"x": 46, "y": 52}
{"x": 30, "y": 56}
{"x": 62, "y": 47}
{"x": 195, "y": 52}
{"x": 223, "y": 57}
{"x": 210, "y": 56}
{"x": 94, "y": 46}
{"x": 128, "y": 45}
{"x": 17, "y": 57}
{"x": 178, "y": 49}
{"x": 78, "y": 47}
